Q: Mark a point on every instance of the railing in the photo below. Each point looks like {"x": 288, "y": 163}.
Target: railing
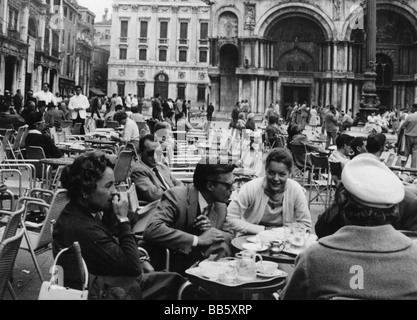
{"x": 183, "y": 42}
{"x": 203, "y": 42}
{"x": 163, "y": 41}
{"x": 123, "y": 39}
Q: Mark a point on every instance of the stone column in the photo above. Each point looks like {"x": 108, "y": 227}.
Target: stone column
{"x": 346, "y": 53}
{"x": 335, "y": 96}
{"x": 350, "y": 57}
{"x": 350, "y": 96}
{"x": 403, "y": 102}
{"x": 262, "y": 54}
{"x": 268, "y": 98}
{"x": 256, "y": 62}
{"x": 2, "y": 80}
{"x": 329, "y": 56}
{"x": 254, "y": 94}
{"x": 275, "y": 97}
{"x": 214, "y": 92}
{"x": 344, "y": 92}
{"x": 415, "y": 92}
{"x": 394, "y": 96}
{"x": 328, "y": 88}
{"x": 279, "y": 93}
{"x": 240, "y": 88}
{"x": 22, "y": 76}
{"x": 42, "y": 23}
{"x": 317, "y": 96}
{"x": 241, "y": 53}
{"x": 261, "y": 95}
{"x": 253, "y": 55}
{"x": 77, "y": 70}
{"x": 335, "y": 56}
{"x": 24, "y": 23}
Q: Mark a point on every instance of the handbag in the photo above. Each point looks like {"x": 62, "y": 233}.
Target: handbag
{"x": 54, "y": 289}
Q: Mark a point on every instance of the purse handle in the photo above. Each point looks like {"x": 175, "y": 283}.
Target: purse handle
{"x": 80, "y": 262}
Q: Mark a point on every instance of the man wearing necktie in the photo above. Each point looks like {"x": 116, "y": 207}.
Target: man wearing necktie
{"x": 152, "y": 179}
{"x": 191, "y": 220}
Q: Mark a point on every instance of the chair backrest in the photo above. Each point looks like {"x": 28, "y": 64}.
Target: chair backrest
{"x": 336, "y": 169}
{"x": 112, "y": 124}
{"x": 19, "y": 136}
{"x": 299, "y": 154}
{"x": 6, "y": 138}
{"x": 54, "y": 134}
{"x": 58, "y": 203}
{"x": 133, "y": 198}
{"x": 13, "y": 223}
{"x": 23, "y": 139}
{"x": 7, "y": 126}
{"x": 8, "y": 252}
{"x": 62, "y": 136}
{"x": 36, "y": 152}
{"x": 122, "y": 167}
{"x": 320, "y": 162}
{"x": 77, "y": 128}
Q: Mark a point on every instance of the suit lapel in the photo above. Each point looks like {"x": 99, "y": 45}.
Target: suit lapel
{"x": 152, "y": 176}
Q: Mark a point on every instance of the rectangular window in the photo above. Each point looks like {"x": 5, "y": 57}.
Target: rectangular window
{"x": 66, "y": 12}
{"x": 68, "y": 65}
{"x": 123, "y": 54}
{"x": 123, "y": 29}
{"x": 69, "y": 42}
{"x": 162, "y": 55}
{"x": 121, "y": 88}
{"x": 203, "y": 56}
{"x": 164, "y": 30}
{"x": 57, "y": 2}
{"x": 201, "y": 93}
{"x": 144, "y": 29}
{"x": 70, "y": 16}
{"x": 141, "y": 89}
{"x": 184, "y": 30}
{"x": 183, "y": 56}
{"x": 181, "y": 91}
{"x": 63, "y": 36}
{"x": 15, "y": 19}
{"x": 204, "y": 30}
{"x": 142, "y": 54}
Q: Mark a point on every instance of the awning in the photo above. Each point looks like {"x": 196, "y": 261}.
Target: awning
{"x": 97, "y": 92}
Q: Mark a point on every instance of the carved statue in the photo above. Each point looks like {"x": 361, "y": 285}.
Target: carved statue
{"x": 337, "y": 9}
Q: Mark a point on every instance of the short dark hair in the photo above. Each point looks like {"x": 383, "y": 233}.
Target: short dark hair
{"x": 342, "y": 140}
{"x": 45, "y": 83}
{"x": 119, "y": 107}
{"x": 375, "y": 142}
{"x": 272, "y": 120}
{"x": 4, "y": 105}
{"x": 82, "y": 176}
{"x": 208, "y": 169}
{"x": 119, "y": 116}
{"x": 280, "y": 155}
{"x": 77, "y": 87}
{"x": 357, "y": 142}
{"x": 33, "y": 118}
{"x": 134, "y": 109}
{"x": 142, "y": 141}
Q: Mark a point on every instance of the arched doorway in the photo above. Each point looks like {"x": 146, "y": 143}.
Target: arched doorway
{"x": 161, "y": 85}
{"x": 229, "y": 84}
{"x": 298, "y": 47}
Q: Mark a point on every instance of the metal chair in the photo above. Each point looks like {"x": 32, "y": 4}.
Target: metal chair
{"x": 38, "y": 242}
{"x": 300, "y": 171}
{"x": 322, "y": 183}
{"x": 77, "y": 128}
{"x": 122, "y": 168}
{"x": 8, "y": 252}
{"x": 15, "y": 149}
{"x": 36, "y": 152}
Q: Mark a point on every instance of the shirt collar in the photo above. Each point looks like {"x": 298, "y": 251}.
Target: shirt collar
{"x": 34, "y": 132}
{"x": 202, "y": 202}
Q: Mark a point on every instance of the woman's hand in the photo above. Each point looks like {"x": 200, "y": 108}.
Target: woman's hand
{"x": 120, "y": 205}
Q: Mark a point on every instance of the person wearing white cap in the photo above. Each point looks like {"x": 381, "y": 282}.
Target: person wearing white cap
{"x": 368, "y": 258}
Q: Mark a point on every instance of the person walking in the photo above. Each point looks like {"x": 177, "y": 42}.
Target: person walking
{"x": 210, "y": 111}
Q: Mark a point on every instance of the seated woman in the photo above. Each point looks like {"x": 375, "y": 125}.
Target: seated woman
{"x": 270, "y": 201}
{"x": 367, "y": 258}
{"x": 97, "y": 218}
{"x": 298, "y": 138}
{"x": 36, "y": 138}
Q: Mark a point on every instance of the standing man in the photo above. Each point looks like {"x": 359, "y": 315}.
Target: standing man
{"x": 18, "y": 101}
{"x": 78, "y": 106}
{"x": 45, "y": 97}
{"x": 304, "y": 115}
{"x": 157, "y": 108}
{"x": 410, "y": 131}
{"x": 210, "y": 111}
{"x": 331, "y": 125}
{"x": 135, "y": 102}
{"x": 129, "y": 102}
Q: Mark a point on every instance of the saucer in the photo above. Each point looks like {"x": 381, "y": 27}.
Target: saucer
{"x": 257, "y": 247}
{"x": 276, "y": 273}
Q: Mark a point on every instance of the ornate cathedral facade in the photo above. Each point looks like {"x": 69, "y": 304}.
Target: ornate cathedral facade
{"x": 281, "y": 51}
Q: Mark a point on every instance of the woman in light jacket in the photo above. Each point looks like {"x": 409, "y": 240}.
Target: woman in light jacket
{"x": 271, "y": 201}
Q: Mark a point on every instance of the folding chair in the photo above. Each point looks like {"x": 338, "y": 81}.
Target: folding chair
{"x": 14, "y": 220}
{"x": 38, "y": 242}
{"x": 122, "y": 168}
{"x": 15, "y": 149}
{"x": 35, "y": 152}
{"x": 322, "y": 183}
{"x": 6, "y": 144}
{"x": 8, "y": 252}
{"x": 300, "y": 170}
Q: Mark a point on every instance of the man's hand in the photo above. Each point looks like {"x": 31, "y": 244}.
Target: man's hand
{"x": 202, "y": 223}
{"x": 120, "y": 205}
{"x": 210, "y": 236}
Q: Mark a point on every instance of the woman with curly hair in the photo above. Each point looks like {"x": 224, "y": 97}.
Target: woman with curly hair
{"x": 98, "y": 217}
{"x": 367, "y": 258}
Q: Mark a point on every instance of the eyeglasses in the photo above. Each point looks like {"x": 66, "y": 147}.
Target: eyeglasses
{"x": 227, "y": 185}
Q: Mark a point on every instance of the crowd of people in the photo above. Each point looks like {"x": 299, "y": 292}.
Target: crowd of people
{"x": 199, "y": 220}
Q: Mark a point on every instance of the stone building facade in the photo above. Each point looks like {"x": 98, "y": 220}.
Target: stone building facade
{"x": 286, "y": 51}
{"x": 160, "y": 47}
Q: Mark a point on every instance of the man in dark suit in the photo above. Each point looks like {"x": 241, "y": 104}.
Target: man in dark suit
{"x": 191, "y": 220}
{"x": 152, "y": 179}
{"x": 36, "y": 138}
{"x": 210, "y": 111}
{"x": 157, "y": 108}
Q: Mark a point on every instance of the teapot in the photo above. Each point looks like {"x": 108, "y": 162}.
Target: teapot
{"x": 246, "y": 265}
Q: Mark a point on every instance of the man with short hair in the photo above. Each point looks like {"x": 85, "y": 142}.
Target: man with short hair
{"x": 45, "y": 97}
{"x": 191, "y": 220}
{"x": 78, "y": 106}
{"x": 330, "y": 125}
{"x": 358, "y": 146}
{"x": 342, "y": 154}
{"x": 130, "y": 131}
{"x": 7, "y": 118}
{"x": 152, "y": 179}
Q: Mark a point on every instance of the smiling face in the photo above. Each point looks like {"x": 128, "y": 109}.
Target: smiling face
{"x": 277, "y": 174}
{"x": 101, "y": 198}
